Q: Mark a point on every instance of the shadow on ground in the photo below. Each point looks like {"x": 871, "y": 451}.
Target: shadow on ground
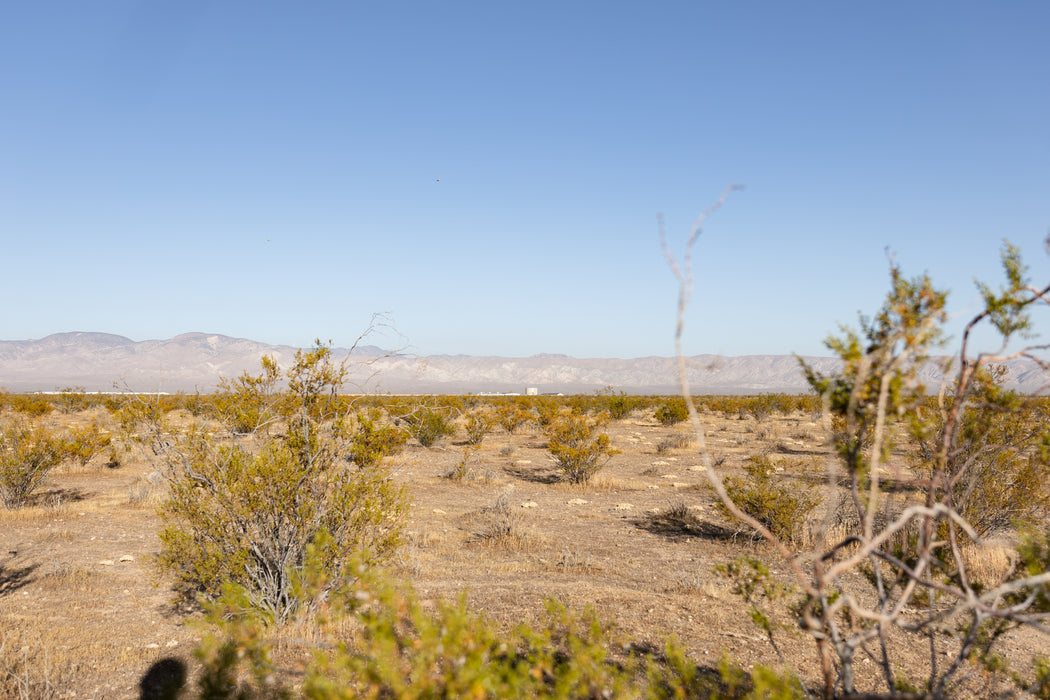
{"x": 536, "y": 476}
{"x": 14, "y": 578}
{"x": 678, "y": 524}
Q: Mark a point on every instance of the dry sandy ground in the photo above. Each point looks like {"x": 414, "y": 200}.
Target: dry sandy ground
{"x": 84, "y": 614}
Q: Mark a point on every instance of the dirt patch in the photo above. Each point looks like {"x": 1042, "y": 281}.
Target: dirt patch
{"x": 84, "y": 613}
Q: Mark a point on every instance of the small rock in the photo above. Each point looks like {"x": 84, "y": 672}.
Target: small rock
{"x": 523, "y": 461}
{"x": 153, "y": 646}
{"x": 529, "y": 504}
{"x": 653, "y": 486}
{"x": 624, "y": 506}
{"x": 680, "y": 485}
{"x": 438, "y": 511}
{"x": 669, "y": 476}
{"x": 172, "y": 643}
{"x": 577, "y": 502}
{"x": 127, "y": 557}
{"x": 106, "y": 562}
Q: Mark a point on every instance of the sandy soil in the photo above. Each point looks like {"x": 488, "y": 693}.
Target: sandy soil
{"x": 84, "y": 614}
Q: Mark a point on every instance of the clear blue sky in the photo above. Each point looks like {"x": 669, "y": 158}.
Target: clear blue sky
{"x": 490, "y": 173}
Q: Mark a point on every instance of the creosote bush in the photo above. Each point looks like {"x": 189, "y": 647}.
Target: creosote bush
{"x": 404, "y": 649}
{"x": 83, "y": 443}
{"x": 578, "y": 446}
{"x": 371, "y": 439}
{"x": 782, "y": 508}
{"x": 907, "y": 547}
{"x": 478, "y": 423}
{"x": 428, "y": 424}
{"x": 27, "y": 455}
{"x": 29, "y": 405}
{"x": 999, "y": 469}
{"x": 617, "y": 405}
{"x": 671, "y": 412}
{"x": 512, "y": 416}
{"x": 244, "y": 509}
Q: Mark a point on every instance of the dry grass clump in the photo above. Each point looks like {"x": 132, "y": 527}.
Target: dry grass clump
{"x": 30, "y": 672}
{"x": 676, "y": 441}
{"x": 471, "y": 469}
{"x": 499, "y": 525}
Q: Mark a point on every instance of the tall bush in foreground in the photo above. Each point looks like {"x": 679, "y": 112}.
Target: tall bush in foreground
{"x": 907, "y": 550}
{"x": 402, "y": 648}
{"x": 244, "y": 509}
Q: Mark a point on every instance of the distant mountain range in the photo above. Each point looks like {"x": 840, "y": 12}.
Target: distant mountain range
{"x": 196, "y": 362}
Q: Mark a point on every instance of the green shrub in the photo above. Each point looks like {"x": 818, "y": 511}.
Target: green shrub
{"x": 402, "y": 648}
{"x": 478, "y": 424}
{"x": 30, "y": 405}
{"x": 671, "y": 412}
{"x": 512, "y": 416}
{"x": 618, "y": 406}
{"x": 71, "y": 399}
{"x": 578, "y": 446}
{"x": 249, "y": 402}
{"x": 999, "y": 469}
{"x": 428, "y": 425}
{"x": 27, "y": 455}
{"x": 81, "y": 444}
{"x": 246, "y": 511}
{"x": 371, "y": 440}
{"x": 783, "y": 509}
{"x": 546, "y": 410}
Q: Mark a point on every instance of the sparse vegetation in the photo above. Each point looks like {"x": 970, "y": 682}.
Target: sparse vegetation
{"x": 908, "y": 547}
{"x": 913, "y": 486}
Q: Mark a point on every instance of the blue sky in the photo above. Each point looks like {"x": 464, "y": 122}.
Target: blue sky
{"x": 490, "y": 173}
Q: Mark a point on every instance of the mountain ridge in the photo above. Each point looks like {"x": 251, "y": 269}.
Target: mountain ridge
{"x": 196, "y": 361}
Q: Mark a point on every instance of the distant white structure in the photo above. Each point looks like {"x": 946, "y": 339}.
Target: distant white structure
{"x": 531, "y": 391}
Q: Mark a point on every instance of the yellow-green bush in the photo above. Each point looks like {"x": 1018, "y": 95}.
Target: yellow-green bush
{"x": 780, "y": 506}
{"x": 27, "y": 454}
{"x": 671, "y": 412}
{"x": 428, "y": 424}
{"x": 30, "y": 405}
{"x": 403, "y": 649}
{"x": 578, "y": 446}
{"x": 244, "y": 511}
{"x": 477, "y": 425}
{"x": 81, "y": 444}
{"x": 371, "y": 439}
